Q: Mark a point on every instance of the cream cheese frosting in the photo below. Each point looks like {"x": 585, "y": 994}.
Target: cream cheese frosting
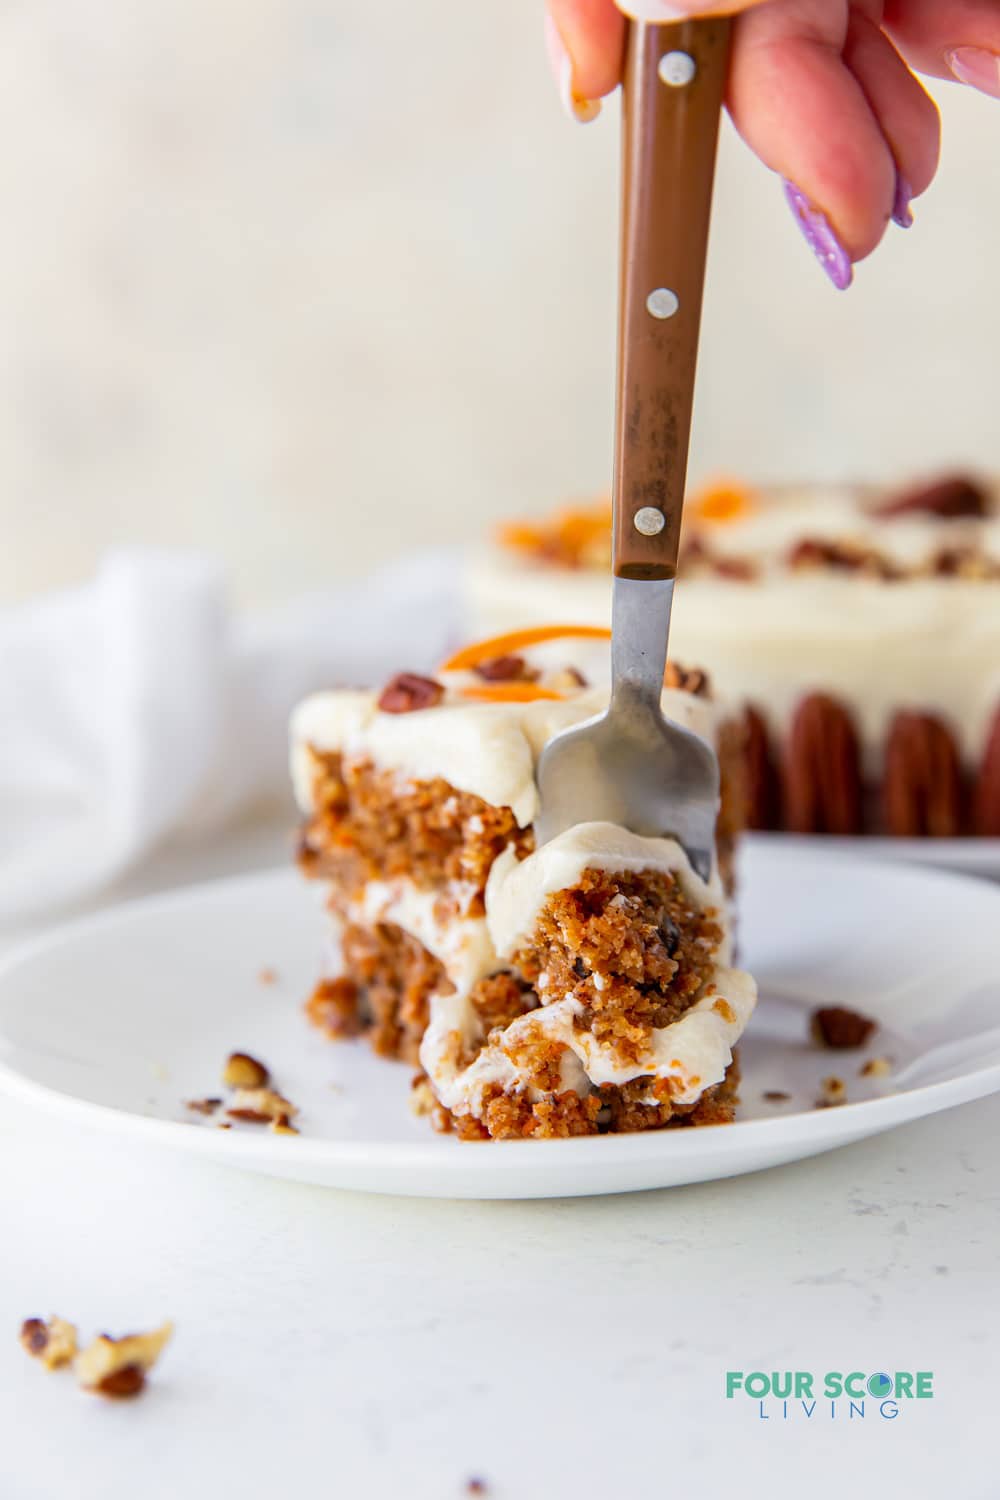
{"x": 923, "y": 642}
{"x": 488, "y": 750}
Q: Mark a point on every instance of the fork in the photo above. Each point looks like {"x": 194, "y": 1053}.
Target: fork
{"x": 630, "y": 765}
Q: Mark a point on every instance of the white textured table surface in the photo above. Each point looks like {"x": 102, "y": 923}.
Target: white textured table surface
{"x": 332, "y": 1344}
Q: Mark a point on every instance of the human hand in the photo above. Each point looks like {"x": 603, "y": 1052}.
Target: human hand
{"x": 824, "y": 91}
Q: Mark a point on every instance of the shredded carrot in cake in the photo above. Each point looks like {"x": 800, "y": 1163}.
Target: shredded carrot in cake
{"x": 516, "y": 640}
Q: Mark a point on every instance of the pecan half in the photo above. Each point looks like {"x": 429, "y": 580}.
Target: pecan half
{"x": 822, "y": 770}
{"x": 951, "y": 496}
{"x": 763, "y": 792}
{"x": 505, "y": 669}
{"x": 922, "y": 790}
{"x": 986, "y": 801}
{"x": 407, "y": 692}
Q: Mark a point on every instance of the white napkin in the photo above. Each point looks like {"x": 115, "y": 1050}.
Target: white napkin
{"x": 138, "y": 706}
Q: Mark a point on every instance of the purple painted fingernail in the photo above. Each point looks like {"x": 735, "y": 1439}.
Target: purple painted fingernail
{"x": 901, "y": 213}
{"x": 820, "y": 237}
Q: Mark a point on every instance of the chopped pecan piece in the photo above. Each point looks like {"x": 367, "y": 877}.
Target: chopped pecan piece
{"x": 565, "y": 680}
{"x": 505, "y": 669}
{"x": 122, "y": 1384}
{"x": 203, "y": 1106}
{"x": 117, "y": 1367}
{"x": 763, "y": 791}
{"x": 986, "y": 803}
{"x": 950, "y": 497}
{"x": 259, "y": 1106}
{"x": 822, "y": 770}
{"x": 776, "y": 1096}
{"x": 836, "y": 1027}
{"x": 834, "y": 1091}
{"x": 687, "y": 680}
{"x": 740, "y": 569}
{"x": 968, "y": 562}
{"x": 875, "y": 1067}
{"x": 922, "y": 786}
{"x": 52, "y": 1341}
{"x": 407, "y": 692}
{"x": 244, "y": 1072}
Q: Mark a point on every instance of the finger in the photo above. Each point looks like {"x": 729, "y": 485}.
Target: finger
{"x": 799, "y": 107}
{"x": 958, "y": 39}
{"x": 585, "y": 39}
{"x": 906, "y": 113}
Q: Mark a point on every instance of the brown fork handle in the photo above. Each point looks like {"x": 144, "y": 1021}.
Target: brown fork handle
{"x": 669, "y": 136}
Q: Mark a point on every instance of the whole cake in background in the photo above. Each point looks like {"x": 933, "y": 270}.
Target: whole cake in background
{"x": 858, "y": 629}
{"x": 578, "y": 988}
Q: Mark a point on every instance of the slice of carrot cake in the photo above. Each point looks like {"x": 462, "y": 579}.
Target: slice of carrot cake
{"x": 580, "y": 987}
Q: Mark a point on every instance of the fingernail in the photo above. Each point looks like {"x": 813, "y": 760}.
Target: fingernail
{"x": 659, "y": 10}
{"x": 579, "y": 109}
{"x": 901, "y": 212}
{"x": 820, "y": 237}
{"x": 976, "y": 67}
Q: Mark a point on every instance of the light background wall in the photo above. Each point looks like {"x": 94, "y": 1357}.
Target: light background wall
{"x": 308, "y": 282}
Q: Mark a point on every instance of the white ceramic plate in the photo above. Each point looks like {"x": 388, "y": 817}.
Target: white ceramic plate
{"x": 119, "y": 1019}
{"x": 971, "y": 856}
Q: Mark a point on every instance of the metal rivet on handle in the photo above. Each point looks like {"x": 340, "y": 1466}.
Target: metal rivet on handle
{"x": 662, "y": 303}
{"x": 677, "y": 69}
{"x": 649, "y": 521}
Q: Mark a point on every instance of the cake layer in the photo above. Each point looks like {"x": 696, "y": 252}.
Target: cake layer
{"x": 582, "y": 986}
{"x": 486, "y": 749}
{"x": 611, "y": 1000}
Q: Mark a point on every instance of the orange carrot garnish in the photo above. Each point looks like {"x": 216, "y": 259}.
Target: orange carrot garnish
{"x": 516, "y": 640}
{"x": 510, "y": 692}
{"x": 723, "y": 501}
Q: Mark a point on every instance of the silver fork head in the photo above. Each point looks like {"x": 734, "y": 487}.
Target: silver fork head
{"x": 637, "y": 770}
{"x": 630, "y": 765}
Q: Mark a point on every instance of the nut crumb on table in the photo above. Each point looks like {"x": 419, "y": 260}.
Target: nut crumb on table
{"x": 112, "y": 1367}
{"x": 52, "y": 1340}
{"x": 117, "y": 1367}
